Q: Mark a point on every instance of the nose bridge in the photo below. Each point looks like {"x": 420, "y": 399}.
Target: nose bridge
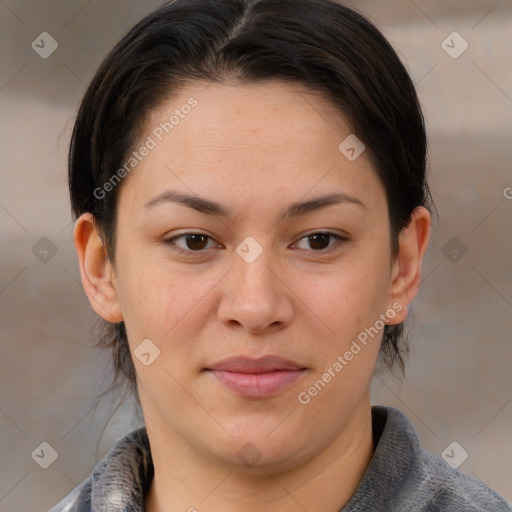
{"x": 252, "y": 263}
{"x": 255, "y": 297}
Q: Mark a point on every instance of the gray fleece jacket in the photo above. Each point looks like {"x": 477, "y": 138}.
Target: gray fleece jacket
{"x": 401, "y": 477}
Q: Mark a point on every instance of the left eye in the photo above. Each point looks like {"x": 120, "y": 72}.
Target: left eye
{"x": 320, "y": 241}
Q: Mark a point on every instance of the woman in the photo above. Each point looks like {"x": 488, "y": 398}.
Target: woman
{"x": 249, "y": 183}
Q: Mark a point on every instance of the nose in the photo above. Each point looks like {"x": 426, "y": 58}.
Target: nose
{"x": 255, "y": 297}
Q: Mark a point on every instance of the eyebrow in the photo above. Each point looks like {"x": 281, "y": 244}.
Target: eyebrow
{"x": 210, "y": 207}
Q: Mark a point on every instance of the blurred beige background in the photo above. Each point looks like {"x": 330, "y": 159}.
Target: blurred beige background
{"x": 459, "y": 379}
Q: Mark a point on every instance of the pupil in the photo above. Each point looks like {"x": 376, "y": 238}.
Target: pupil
{"x": 196, "y": 241}
{"x": 319, "y": 241}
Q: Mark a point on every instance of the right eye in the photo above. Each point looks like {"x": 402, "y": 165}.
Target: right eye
{"x": 190, "y": 242}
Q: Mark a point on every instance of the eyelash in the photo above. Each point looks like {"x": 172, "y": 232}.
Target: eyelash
{"x": 170, "y": 242}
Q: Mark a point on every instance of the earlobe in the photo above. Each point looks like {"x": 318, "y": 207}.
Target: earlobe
{"x": 406, "y": 271}
{"x": 95, "y": 270}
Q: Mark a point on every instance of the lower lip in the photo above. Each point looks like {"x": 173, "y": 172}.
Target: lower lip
{"x": 258, "y": 385}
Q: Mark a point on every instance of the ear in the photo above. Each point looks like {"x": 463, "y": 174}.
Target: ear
{"x": 96, "y": 271}
{"x": 406, "y": 270}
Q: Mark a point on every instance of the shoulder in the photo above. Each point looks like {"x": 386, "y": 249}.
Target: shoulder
{"x": 429, "y": 484}
{"x": 445, "y": 488}
{"x": 78, "y": 500}
{"x": 118, "y": 480}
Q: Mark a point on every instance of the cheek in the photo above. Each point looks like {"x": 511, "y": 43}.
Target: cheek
{"x": 350, "y": 299}
{"x": 162, "y": 302}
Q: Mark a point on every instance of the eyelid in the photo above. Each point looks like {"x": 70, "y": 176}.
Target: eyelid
{"x": 322, "y": 232}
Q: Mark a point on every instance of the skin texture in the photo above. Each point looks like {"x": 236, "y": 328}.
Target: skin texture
{"x": 254, "y": 148}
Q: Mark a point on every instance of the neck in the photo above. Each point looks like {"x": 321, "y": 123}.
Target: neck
{"x": 188, "y": 481}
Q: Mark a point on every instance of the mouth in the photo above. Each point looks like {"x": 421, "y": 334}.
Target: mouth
{"x": 257, "y": 378}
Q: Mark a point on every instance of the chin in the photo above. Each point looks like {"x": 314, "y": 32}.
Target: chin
{"x": 254, "y": 451}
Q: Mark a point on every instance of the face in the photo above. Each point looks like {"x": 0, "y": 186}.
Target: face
{"x": 286, "y": 254}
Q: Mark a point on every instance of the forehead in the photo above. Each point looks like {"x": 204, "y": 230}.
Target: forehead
{"x": 257, "y": 139}
{"x": 263, "y": 115}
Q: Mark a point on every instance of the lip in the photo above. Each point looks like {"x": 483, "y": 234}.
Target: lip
{"x": 257, "y": 378}
{"x": 265, "y": 364}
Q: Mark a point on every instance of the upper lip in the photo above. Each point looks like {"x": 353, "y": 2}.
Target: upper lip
{"x": 263, "y": 364}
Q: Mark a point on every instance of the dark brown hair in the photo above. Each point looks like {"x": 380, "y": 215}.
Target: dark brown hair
{"x": 330, "y": 48}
